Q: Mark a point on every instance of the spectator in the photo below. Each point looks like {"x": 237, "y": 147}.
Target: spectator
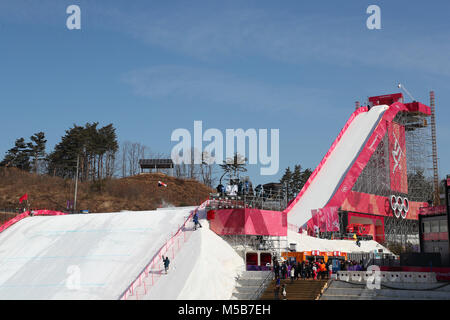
{"x": 166, "y": 262}
{"x": 314, "y": 269}
{"x": 284, "y": 270}
{"x": 292, "y": 274}
{"x": 308, "y": 270}
{"x": 276, "y": 270}
{"x": 220, "y": 189}
{"x": 323, "y": 270}
{"x": 228, "y": 189}
{"x": 196, "y": 222}
{"x": 297, "y": 270}
{"x": 246, "y": 187}
{"x": 276, "y": 290}
{"x": 283, "y": 292}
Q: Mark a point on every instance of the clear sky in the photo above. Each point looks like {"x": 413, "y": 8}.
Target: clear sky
{"x": 150, "y": 67}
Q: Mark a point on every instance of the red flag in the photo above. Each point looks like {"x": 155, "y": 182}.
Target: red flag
{"x": 24, "y": 197}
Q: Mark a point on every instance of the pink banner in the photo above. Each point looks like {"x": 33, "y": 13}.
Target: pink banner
{"x": 397, "y": 157}
{"x": 249, "y": 221}
{"x": 325, "y": 220}
{"x": 12, "y": 221}
{"x": 19, "y": 217}
{"x": 378, "y": 205}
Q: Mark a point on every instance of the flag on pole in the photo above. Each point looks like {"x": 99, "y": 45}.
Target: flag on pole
{"x": 24, "y": 197}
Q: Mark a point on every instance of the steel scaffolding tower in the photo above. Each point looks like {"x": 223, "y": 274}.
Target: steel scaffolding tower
{"x": 436, "y": 199}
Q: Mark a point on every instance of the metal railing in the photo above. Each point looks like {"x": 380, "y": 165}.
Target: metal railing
{"x": 150, "y": 274}
{"x": 8, "y": 214}
{"x": 265, "y": 201}
{"x": 263, "y": 286}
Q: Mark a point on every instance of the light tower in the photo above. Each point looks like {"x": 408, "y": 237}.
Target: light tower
{"x": 436, "y": 199}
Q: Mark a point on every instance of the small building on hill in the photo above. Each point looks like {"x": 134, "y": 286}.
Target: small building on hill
{"x": 156, "y": 164}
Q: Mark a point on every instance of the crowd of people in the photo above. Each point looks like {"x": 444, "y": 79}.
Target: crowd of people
{"x": 351, "y": 265}
{"x": 239, "y": 187}
{"x": 302, "y": 270}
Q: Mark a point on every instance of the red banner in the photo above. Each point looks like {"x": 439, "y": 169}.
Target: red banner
{"x": 325, "y": 219}
{"x": 378, "y": 205}
{"x": 433, "y": 210}
{"x": 397, "y": 157}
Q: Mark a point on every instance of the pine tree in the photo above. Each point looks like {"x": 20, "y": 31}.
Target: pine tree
{"x": 305, "y": 176}
{"x": 286, "y": 181}
{"x": 18, "y": 156}
{"x": 37, "y": 149}
{"x": 293, "y": 182}
{"x": 297, "y": 178}
{"x": 95, "y": 148}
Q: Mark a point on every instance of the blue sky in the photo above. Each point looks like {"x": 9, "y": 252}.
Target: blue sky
{"x": 151, "y": 67}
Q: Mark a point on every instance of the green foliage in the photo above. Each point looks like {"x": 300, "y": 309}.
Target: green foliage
{"x": 235, "y": 165}
{"x": 94, "y": 148}
{"x": 20, "y": 155}
{"x": 37, "y": 149}
{"x": 293, "y": 182}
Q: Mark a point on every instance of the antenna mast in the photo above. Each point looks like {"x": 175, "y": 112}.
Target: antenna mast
{"x": 406, "y": 91}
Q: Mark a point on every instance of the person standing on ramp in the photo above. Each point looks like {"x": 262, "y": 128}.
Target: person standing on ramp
{"x": 166, "y": 262}
{"x": 196, "y": 222}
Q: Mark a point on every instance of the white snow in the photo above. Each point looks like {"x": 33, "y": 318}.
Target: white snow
{"x": 308, "y": 243}
{"x": 204, "y": 268}
{"x": 333, "y": 172}
{"x": 42, "y": 257}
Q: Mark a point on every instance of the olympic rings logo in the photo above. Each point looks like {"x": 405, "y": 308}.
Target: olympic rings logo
{"x": 400, "y": 206}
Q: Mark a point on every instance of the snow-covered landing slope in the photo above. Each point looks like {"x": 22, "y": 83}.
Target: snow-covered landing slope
{"x": 42, "y": 257}
{"x": 204, "y": 269}
{"x": 334, "y": 169}
{"x": 307, "y": 243}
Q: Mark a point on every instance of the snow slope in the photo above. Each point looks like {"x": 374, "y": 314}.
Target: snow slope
{"x": 42, "y": 257}
{"x": 334, "y": 169}
{"x": 205, "y": 268}
{"x": 307, "y": 243}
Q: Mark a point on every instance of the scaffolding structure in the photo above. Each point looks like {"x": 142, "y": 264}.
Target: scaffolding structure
{"x": 418, "y": 154}
{"x": 436, "y": 200}
{"x": 375, "y": 177}
{"x": 253, "y": 243}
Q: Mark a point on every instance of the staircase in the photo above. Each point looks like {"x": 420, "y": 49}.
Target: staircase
{"x": 250, "y": 285}
{"x": 298, "y": 290}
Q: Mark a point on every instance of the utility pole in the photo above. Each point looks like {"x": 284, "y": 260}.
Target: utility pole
{"x": 76, "y": 186}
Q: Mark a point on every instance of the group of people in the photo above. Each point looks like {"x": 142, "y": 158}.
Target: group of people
{"x": 302, "y": 270}
{"x": 197, "y": 224}
{"x": 351, "y": 265}
{"x": 235, "y": 188}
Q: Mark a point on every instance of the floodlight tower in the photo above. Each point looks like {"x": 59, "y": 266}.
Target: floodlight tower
{"x": 434, "y": 148}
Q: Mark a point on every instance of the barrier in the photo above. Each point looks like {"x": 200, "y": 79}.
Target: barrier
{"x": 151, "y": 273}
{"x": 442, "y": 273}
{"x": 387, "y": 276}
{"x": 21, "y": 216}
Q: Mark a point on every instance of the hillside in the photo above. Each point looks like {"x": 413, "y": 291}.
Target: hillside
{"x": 140, "y": 192}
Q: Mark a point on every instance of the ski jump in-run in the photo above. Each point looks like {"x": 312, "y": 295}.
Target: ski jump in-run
{"x": 377, "y": 125}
